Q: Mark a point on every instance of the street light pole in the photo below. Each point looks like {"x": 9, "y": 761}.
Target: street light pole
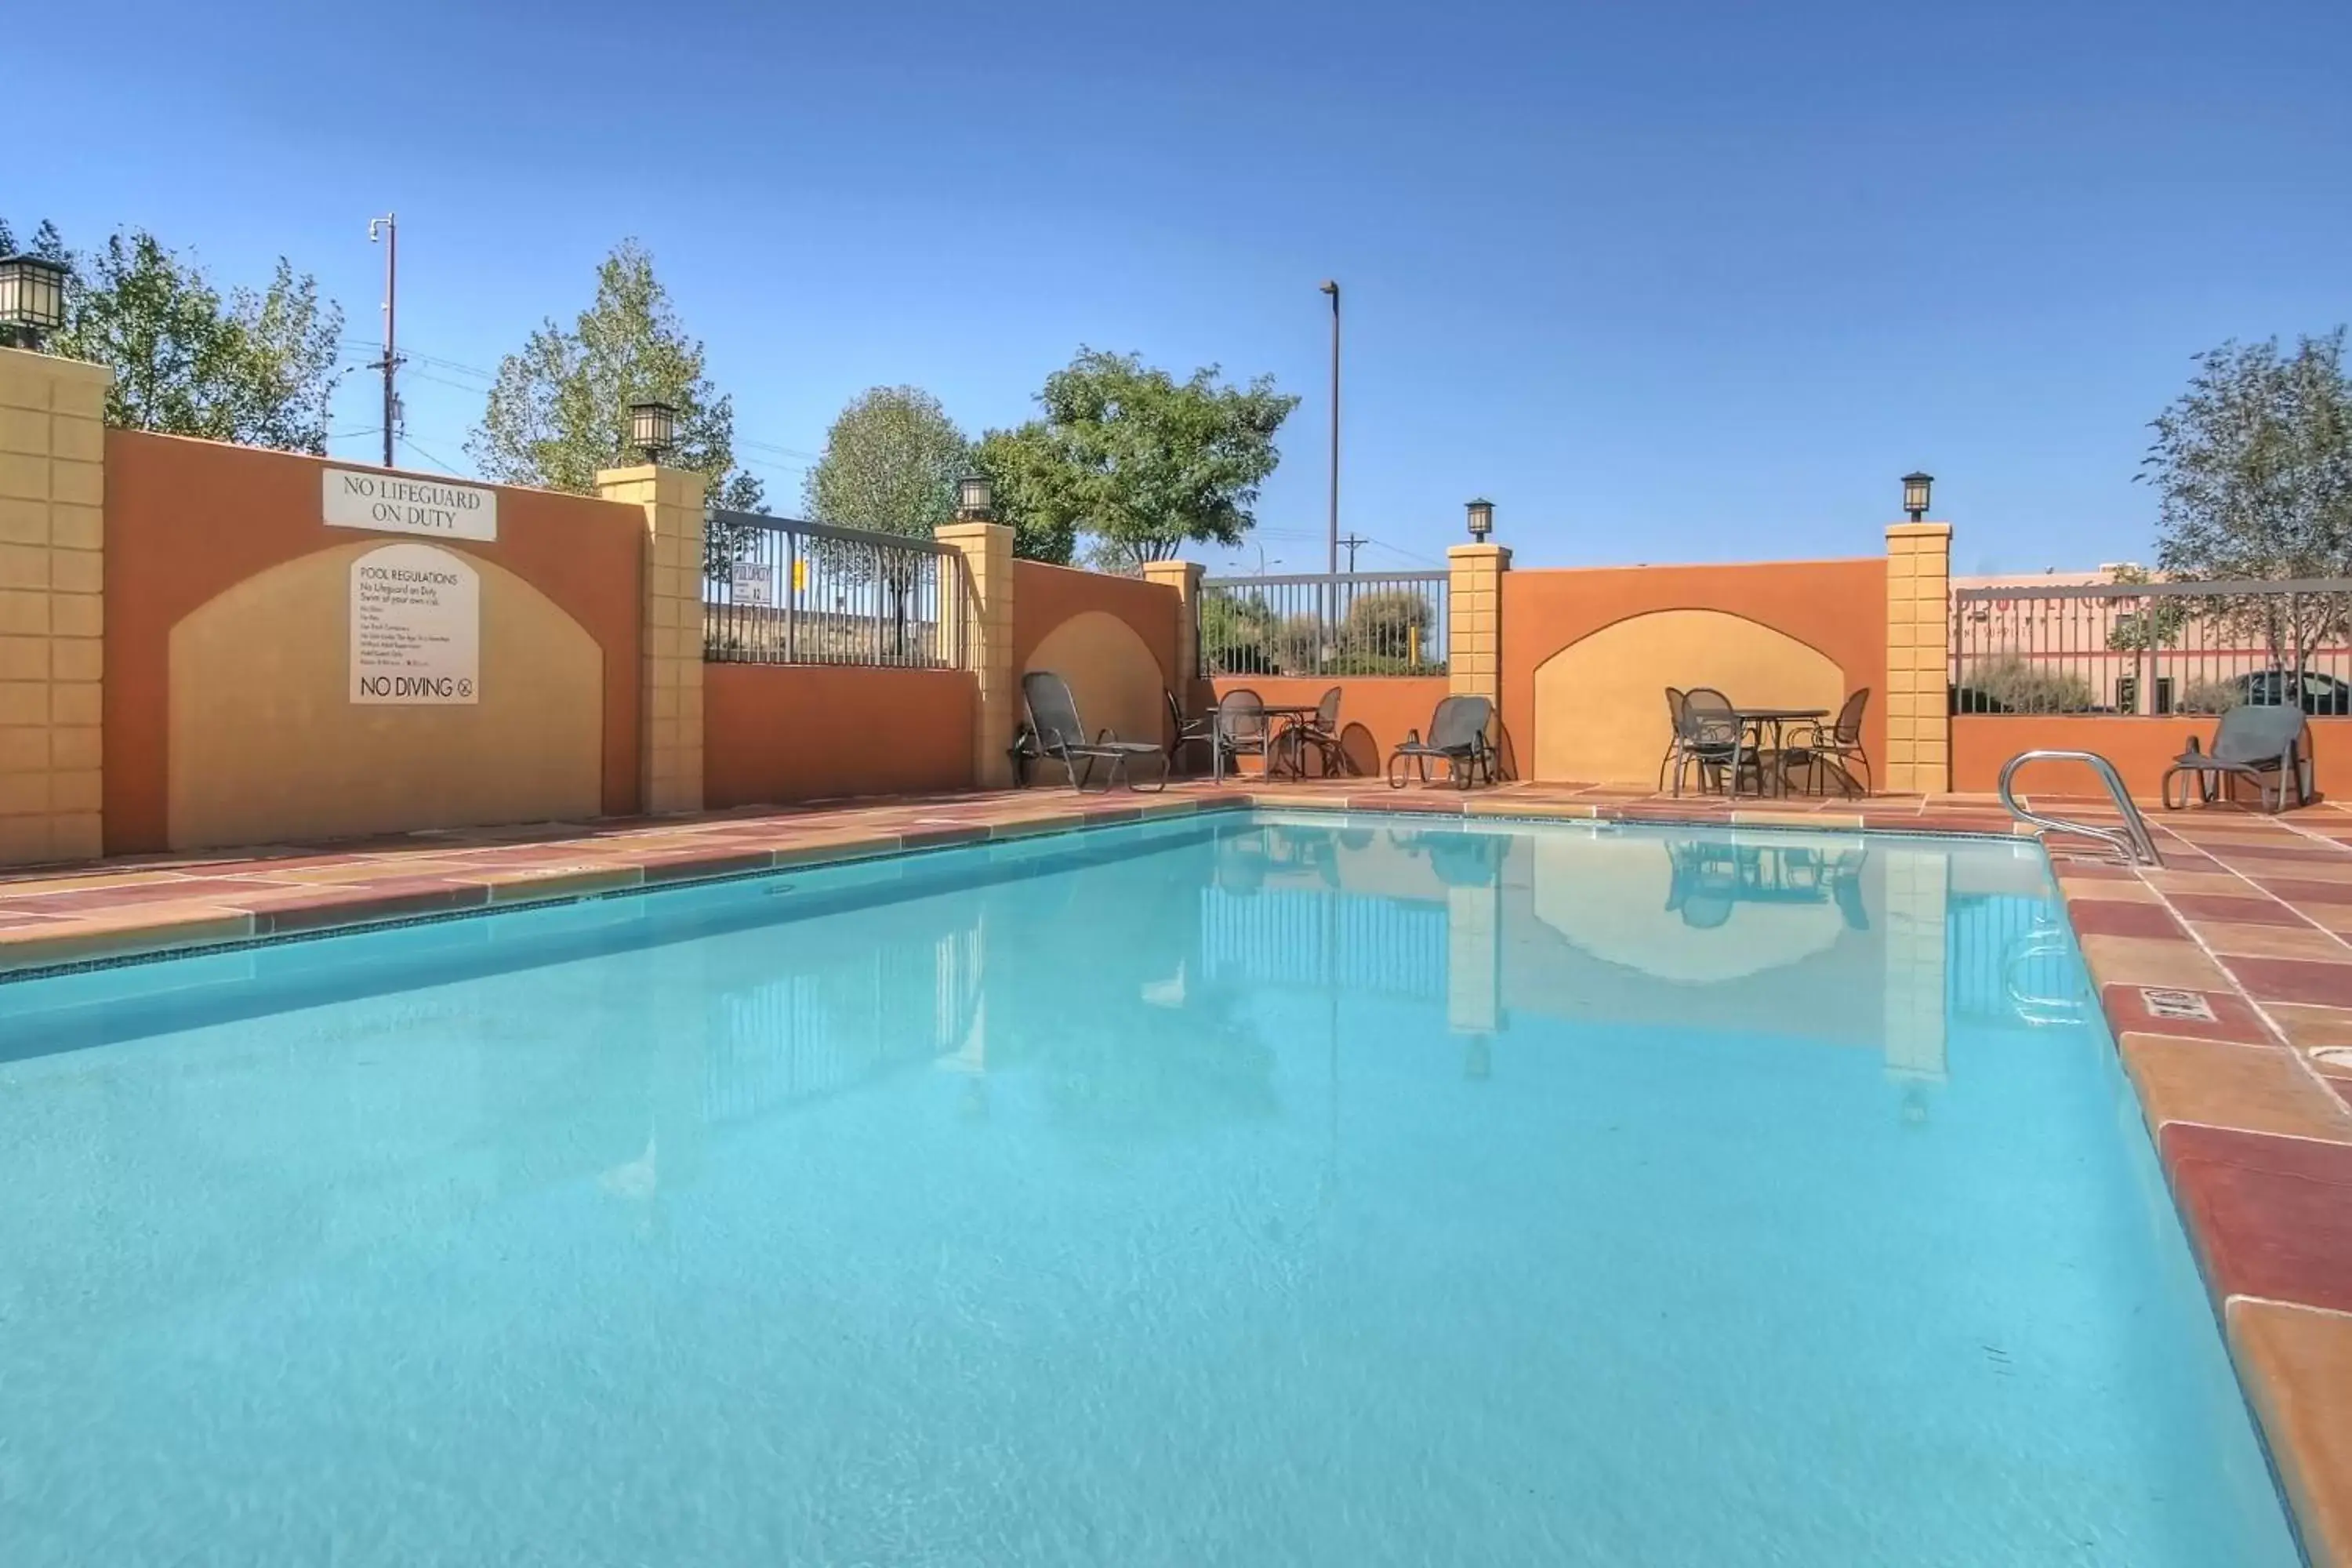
{"x": 1331, "y": 562}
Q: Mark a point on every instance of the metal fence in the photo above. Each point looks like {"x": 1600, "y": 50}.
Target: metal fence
{"x": 2152, "y": 647}
{"x": 1352, "y": 623}
{"x": 810, "y": 592}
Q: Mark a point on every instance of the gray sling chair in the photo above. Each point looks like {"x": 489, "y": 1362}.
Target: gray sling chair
{"x": 2264, "y": 743}
{"x": 1054, "y": 722}
{"x": 1458, "y": 735}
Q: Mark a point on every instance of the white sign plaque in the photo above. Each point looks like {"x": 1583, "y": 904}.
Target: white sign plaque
{"x": 754, "y": 583}
{"x": 389, "y": 503}
{"x": 417, "y": 627}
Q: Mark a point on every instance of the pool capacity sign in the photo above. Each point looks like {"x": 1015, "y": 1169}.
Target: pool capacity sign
{"x": 389, "y": 503}
{"x": 417, "y": 627}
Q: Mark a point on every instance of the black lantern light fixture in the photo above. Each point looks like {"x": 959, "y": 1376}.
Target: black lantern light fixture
{"x": 652, "y": 429}
{"x": 1482, "y": 519}
{"x": 975, "y": 499}
{"x": 32, "y": 297}
{"x": 1915, "y": 494}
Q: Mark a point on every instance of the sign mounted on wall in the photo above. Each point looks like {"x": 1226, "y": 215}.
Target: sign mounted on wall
{"x": 389, "y": 503}
{"x": 753, "y": 584}
{"x": 417, "y": 627}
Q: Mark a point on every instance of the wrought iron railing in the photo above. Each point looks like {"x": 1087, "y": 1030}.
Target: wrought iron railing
{"x": 1389, "y": 623}
{"x": 2152, "y": 647}
{"x": 810, "y": 592}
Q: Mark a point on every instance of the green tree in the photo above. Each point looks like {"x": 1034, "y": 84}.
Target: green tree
{"x": 891, "y": 462}
{"x": 2253, "y": 468}
{"x": 560, "y": 408}
{"x": 257, "y": 367}
{"x": 1139, "y": 461}
{"x": 1022, "y": 474}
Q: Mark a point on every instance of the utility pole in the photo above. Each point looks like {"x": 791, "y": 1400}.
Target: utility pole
{"x": 387, "y": 229}
{"x": 1352, "y": 544}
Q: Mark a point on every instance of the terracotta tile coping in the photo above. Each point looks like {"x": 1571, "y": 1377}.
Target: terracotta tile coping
{"x": 2243, "y": 1071}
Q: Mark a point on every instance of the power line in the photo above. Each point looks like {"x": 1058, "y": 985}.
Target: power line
{"x": 439, "y": 381}
{"x": 446, "y": 468}
{"x": 1408, "y": 554}
{"x": 780, "y": 451}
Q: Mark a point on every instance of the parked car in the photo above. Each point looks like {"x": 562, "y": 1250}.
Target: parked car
{"x": 2322, "y": 694}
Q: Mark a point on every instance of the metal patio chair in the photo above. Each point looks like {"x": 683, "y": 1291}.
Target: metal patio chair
{"x": 1319, "y": 734}
{"x": 1237, "y": 729}
{"x": 1837, "y": 745}
{"x": 1184, "y": 732}
{"x": 1713, "y": 738}
{"x": 1457, "y": 735}
{"x": 1053, "y": 721}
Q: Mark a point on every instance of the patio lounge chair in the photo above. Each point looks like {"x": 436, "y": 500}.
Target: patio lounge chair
{"x": 1053, "y": 721}
{"x": 1458, "y": 735}
{"x": 2253, "y": 741}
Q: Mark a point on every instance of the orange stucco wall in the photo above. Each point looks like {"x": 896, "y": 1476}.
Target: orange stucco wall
{"x": 785, "y": 733}
{"x": 2140, "y": 749}
{"x": 1836, "y": 607}
{"x": 1115, "y": 684}
{"x": 1044, "y": 596}
{"x": 1383, "y": 708}
{"x": 187, "y": 520}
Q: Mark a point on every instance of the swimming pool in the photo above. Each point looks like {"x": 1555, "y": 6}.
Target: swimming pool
{"x": 1232, "y": 1189}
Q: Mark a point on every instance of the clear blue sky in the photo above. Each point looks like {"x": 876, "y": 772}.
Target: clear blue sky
{"x": 1668, "y": 281}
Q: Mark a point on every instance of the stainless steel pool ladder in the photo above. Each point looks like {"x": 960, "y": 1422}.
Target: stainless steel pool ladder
{"x": 2132, "y": 840}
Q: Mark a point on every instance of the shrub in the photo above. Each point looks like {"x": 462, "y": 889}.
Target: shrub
{"x": 2010, "y": 685}
{"x": 2209, "y": 697}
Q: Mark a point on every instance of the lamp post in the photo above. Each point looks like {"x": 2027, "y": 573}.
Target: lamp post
{"x": 653, "y": 428}
{"x": 1331, "y": 563}
{"x": 975, "y": 499}
{"x": 1916, "y": 487}
{"x": 1482, "y": 519}
{"x": 32, "y": 297}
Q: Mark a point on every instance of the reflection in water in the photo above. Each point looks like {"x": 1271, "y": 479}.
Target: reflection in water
{"x": 1711, "y": 876}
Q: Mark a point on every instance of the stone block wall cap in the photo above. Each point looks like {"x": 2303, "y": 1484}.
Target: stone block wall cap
{"x": 1918, "y": 531}
{"x": 1478, "y": 551}
{"x": 57, "y": 366}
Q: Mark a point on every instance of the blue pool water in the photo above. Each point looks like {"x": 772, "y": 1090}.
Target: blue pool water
{"x": 1220, "y": 1191}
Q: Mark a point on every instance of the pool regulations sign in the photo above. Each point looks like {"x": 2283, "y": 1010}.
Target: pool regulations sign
{"x": 389, "y": 503}
{"x": 417, "y": 627}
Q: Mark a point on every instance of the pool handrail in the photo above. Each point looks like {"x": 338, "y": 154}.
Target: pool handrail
{"x": 2132, "y": 840}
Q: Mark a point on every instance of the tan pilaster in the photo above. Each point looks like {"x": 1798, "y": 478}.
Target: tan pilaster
{"x": 52, "y": 606}
{"x": 1917, "y": 905}
{"x": 1919, "y": 657}
{"x": 985, "y": 636}
{"x": 1473, "y": 638}
{"x": 669, "y": 755}
{"x": 1184, "y": 578}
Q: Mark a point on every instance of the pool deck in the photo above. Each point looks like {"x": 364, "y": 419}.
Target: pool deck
{"x": 2226, "y": 978}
